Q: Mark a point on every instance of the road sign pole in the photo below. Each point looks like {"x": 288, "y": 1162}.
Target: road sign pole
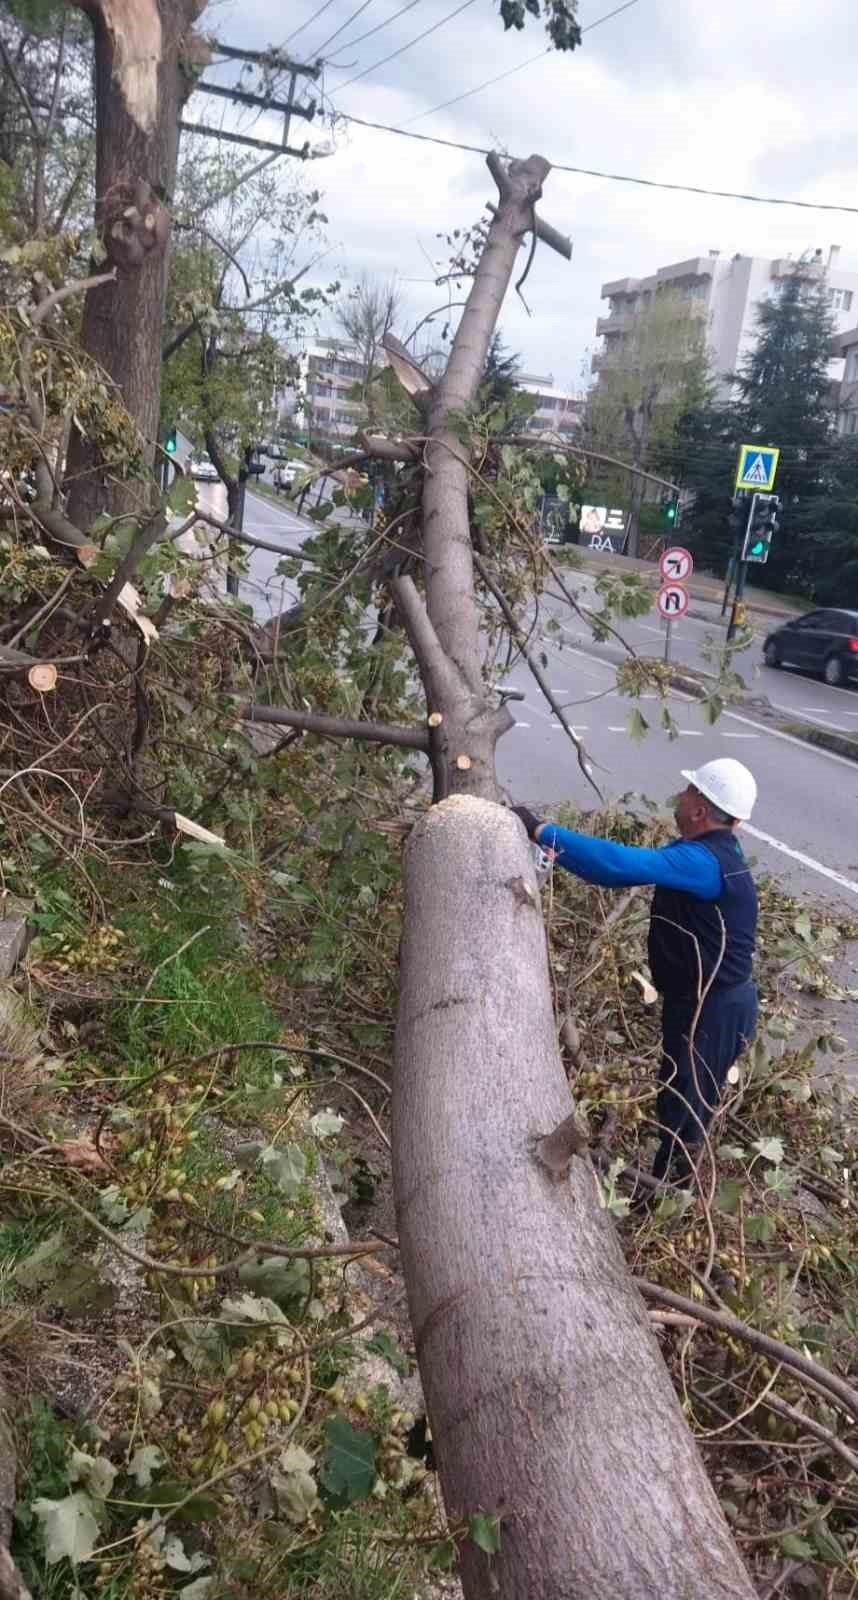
{"x": 667, "y": 631}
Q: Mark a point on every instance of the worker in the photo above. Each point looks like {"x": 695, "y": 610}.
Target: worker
{"x": 702, "y": 929}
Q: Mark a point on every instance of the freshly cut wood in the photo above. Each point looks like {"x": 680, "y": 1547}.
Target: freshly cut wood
{"x": 42, "y": 678}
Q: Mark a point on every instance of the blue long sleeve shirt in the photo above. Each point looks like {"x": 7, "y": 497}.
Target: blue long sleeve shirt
{"x": 684, "y": 864}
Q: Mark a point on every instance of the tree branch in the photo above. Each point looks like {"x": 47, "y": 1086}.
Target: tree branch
{"x": 819, "y": 1376}
{"x": 337, "y": 727}
{"x": 80, "y": 286}
{"x": 539, "y": 675}
{"x": 441, "y": 678}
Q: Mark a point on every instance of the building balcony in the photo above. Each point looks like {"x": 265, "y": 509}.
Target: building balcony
{"x": 617, "y": 322}
{"x": 784, "y": 267}
{"x": 681, "y": 271}
{"x": 620, "y": 286}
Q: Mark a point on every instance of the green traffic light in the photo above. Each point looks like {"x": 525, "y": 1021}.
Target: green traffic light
{"x": 758, "y": 548}
{"x": 170, "y": 443}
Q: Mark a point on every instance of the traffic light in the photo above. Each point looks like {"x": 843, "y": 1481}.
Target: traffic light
{"x": 670, "y": 510}
{"x": 763, "y": 524}
{"x": 170, "y": 442}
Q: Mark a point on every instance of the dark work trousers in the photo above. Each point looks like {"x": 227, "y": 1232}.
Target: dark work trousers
{"x": 692, "y": 1079}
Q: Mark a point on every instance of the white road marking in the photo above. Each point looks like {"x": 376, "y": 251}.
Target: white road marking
{"x": 799, "y": 855}
{"x": 690, "y": 733}
{"x": 524, "y": 724}
{"x": 739, "y": 735}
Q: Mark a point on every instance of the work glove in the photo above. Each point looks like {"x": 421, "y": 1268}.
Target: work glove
{"x": 531, "y": 822}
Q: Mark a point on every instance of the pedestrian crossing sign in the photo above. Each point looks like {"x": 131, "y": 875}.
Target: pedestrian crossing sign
{"x": 757, "y": 467}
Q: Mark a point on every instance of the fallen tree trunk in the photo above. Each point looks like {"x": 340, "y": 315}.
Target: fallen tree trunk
{"x": 548, "y": 1398}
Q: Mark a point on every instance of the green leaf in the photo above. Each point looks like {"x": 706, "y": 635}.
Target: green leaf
{"x": 143, "y": 1463}
{"x": 278, "y": 1277}
{"x": 182, "y": 497}
{"x": 732, "y": 1152}
{"x": 327, "y": 1124}
{"x": 730, "y": 1192}
{"x": 96, "y": 1473}
{"x": 287, "y": 1167}
{"x": 714, "y": 707}
{"x": 802, "y": 926}
{"x": 828, "y": 1546}
{"x": 637, "y": 726}
{"x": 43, "y": 1264}
{"x": 384, "y": 1344}
{"x": 485, "y": 1530}
{"x": 760, "y": 1229}
{"x": 69, "y": 1527}
{"x": 294, "y": 1485}
{"x": 793, "y": 1545}
{"x": 770, "y": 1150}
{"x": 348, "y": 1471}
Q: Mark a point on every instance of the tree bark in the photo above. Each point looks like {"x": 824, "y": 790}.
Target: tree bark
{"x": 140, "y": 88}
{"x": 548, "y": 1398}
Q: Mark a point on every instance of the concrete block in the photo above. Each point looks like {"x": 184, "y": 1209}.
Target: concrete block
{"x": 14, "y": 938}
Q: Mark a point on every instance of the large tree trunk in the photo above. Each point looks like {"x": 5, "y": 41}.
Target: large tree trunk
{"x": 548, "y": 1398}
{"x": 140, "y": 88}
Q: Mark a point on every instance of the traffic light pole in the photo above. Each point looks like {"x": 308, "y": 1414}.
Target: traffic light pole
{"x": 737, "y": 613}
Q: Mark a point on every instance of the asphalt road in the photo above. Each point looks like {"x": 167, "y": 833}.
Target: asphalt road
{"x": 803, "y": 826}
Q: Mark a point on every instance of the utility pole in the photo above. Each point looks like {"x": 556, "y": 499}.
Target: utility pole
{"x": 289, "y": 107}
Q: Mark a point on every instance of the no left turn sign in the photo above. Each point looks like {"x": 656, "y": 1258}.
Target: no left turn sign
{"x": 676, "y": 565}
{"x": 672, "y": 601}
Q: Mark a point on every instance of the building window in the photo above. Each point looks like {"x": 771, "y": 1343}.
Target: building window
{"x": 852, "y": 422}
{"x": 840, "y": 299}
{"x": 851, "y": 373}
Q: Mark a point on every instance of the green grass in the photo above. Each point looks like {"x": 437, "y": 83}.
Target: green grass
{"x": 200, "y": 997}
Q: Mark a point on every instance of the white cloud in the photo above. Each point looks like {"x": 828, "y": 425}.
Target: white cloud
{"x": 741, "y": 96}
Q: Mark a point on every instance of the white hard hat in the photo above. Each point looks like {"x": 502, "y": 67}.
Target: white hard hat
{"x": 729, "y": 785}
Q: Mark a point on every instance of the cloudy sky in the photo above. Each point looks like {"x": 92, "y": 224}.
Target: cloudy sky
{"x": 731, "y": 94}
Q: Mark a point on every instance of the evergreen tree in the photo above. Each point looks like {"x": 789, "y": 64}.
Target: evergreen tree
{"x": 782, "y": 397}
{"x": 498, "y": 385}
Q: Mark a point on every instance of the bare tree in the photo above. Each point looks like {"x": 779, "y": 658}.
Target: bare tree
{"x": 661, "y": 365}
{"x": 365, "y": 315}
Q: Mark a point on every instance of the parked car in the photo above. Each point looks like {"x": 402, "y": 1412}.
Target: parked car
{"x": 824, "y": 642}
{"x": 203, "y": 468}
{"x": 286, "y": 474}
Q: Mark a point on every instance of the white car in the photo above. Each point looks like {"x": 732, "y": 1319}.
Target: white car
{"x": 203, "y": 469}
{"x": 286, "y": 474}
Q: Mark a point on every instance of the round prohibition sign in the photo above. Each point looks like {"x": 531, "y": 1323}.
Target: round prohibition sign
{"x": 676, "y": 565}
{"x": 672, "y": 601}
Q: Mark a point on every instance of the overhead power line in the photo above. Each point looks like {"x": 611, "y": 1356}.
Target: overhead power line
{"x": 409, "y": 46}
{"x": 342, "y": 27}
{"x": 295, "y": 31}
{"x": 351, "y": 44}
{"x": 607, "y": 177}
{"x": 540, "y": 56}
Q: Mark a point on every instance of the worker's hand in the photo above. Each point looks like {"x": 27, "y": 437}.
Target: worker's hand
{"x": 531, "y": 822}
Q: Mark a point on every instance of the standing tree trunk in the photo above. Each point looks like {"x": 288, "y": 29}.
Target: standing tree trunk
{"x": 548, "y": 1398}
{"x": 142, "y": 48}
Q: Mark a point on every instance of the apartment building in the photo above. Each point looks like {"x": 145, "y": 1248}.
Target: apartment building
{"x": 844, "y": 347}
{"x": 724, "y": 293}
{"x": 558, "y": 411}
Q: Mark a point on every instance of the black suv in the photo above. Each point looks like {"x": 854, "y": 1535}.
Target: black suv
{"x": 821, "y": 641}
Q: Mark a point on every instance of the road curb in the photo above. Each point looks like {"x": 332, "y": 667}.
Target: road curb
{"x": 838, "y": 743}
